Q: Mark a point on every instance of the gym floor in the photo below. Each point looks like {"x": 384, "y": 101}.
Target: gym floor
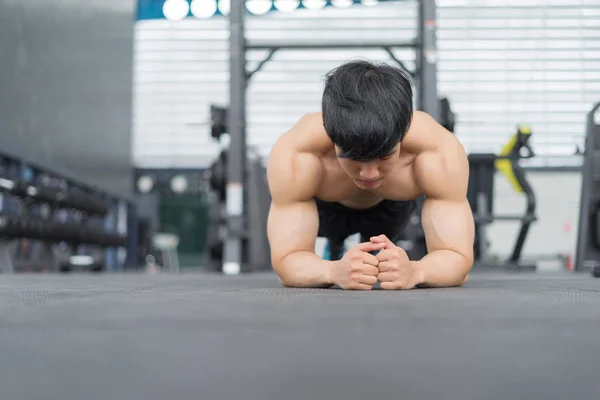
{"x": 196, "y": 336}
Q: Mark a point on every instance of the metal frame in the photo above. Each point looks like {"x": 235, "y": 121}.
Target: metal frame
{"x": 427, "y": 100}
{"x": 587, "y": 253}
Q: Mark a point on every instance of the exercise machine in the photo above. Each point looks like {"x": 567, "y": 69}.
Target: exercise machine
{"x": 588, "y": 235}
{"x": 480, "y": 195}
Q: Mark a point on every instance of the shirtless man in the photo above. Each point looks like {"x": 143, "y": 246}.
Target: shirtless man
{"x": 357, "y": 167}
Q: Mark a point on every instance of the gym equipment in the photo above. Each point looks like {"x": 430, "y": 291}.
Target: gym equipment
{"x": 256, "y": 255}
{"x": 166, "y": 244}
{"x": 480, "y": 196}
{"x": 236, "y": 186}
{"x": 43, "y": 208}
{"x": 17, "y": 227}
{"x": 447, "y": 116}
{"x": 588, "y": 235}
{"x": 218, "y": 118}
{"x": 55, "y": 196}
{"x": 529, "y": 336}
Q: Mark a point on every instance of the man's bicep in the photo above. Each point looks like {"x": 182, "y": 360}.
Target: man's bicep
{"x": 292, "y": 227}
{"x": 293, "y": 221}
{"x": 448, "y": 225}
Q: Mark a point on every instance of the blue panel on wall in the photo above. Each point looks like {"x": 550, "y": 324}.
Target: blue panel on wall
{"x": 153, "y": 9}
{"x": 150, "y": 9}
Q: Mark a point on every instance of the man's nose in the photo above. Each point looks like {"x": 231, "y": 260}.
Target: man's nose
{"x": 369, "y": 172}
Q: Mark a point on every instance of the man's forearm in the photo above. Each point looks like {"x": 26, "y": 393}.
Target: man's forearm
{"x": 443, "y": 268}
{"x": 304, "y": 269}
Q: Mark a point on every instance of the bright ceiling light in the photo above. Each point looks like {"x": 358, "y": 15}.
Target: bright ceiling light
{"x": 176, "y": 10}
{"x": 204, "y": 8}
{"x": 179, "y": 184}
{"x": 259, "y": 7}
{"x": 341, "y": 3}
{"x": 145, "y": 184}
{"x": 224, "y": 6}
{"x": 286, "y": 5}
{"x": 369, "y": 3}
{"x": 314, "y": 4}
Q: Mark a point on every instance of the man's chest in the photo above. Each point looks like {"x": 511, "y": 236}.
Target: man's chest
{"x": 339, "y": 187}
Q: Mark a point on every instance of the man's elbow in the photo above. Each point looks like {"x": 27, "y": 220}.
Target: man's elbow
{"x": 277, "y": 264}
{"x": 465, "y": 265}
{"x": 283, "y": 282}
{"x": 288, "y": 279}
{"x": 282, "y": 270}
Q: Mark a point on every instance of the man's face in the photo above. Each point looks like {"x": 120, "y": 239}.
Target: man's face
{"x": 369, "y": 175}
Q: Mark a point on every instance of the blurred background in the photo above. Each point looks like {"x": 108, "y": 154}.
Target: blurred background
{"x": 111, "y": 101}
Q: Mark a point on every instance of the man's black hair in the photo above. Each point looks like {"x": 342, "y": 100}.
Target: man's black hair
{"x": 367, "y": 109}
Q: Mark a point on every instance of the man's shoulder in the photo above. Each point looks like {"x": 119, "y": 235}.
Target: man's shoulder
{"x": 307, "y": 135}
{"x": 424, "y": 128}
{"x": 427, "y": 136}
{"x": 293, "y": 176}
{"x": 294, "y": 167}
{"x": 441, "y": 162}
{"x": 311, "y": 121}
{"x": 312, "y": 118}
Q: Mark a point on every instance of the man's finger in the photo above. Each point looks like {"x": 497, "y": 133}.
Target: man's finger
{"x": 385, "y": 266}
{"x": 385, "y": 255}
{"x": 370, "y": 246}
{"x": 383, "y": 239}
{"x": 370, "y": 269}
{"x": 388, "y": 285}
{"x": 386, "y": 277}
{"x": 367, "y": 279}
{"x": 370, "y": 259}
{"x": 362, "y": 286}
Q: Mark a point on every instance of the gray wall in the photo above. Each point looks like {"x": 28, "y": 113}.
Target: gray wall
{"x": 66, "y": 86}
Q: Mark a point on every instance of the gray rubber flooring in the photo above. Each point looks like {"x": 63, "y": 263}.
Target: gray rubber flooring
{"x": 196, "y": 336}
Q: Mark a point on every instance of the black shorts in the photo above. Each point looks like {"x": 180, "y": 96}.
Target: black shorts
{"x": 337, "y": 222}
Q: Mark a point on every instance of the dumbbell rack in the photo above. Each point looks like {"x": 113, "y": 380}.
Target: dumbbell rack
{"x": 49, "y": 220}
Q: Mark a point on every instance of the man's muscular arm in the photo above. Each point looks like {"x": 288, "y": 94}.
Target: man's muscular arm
{"x": 293, "y": 221}
{"x": 446, "y": 217}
